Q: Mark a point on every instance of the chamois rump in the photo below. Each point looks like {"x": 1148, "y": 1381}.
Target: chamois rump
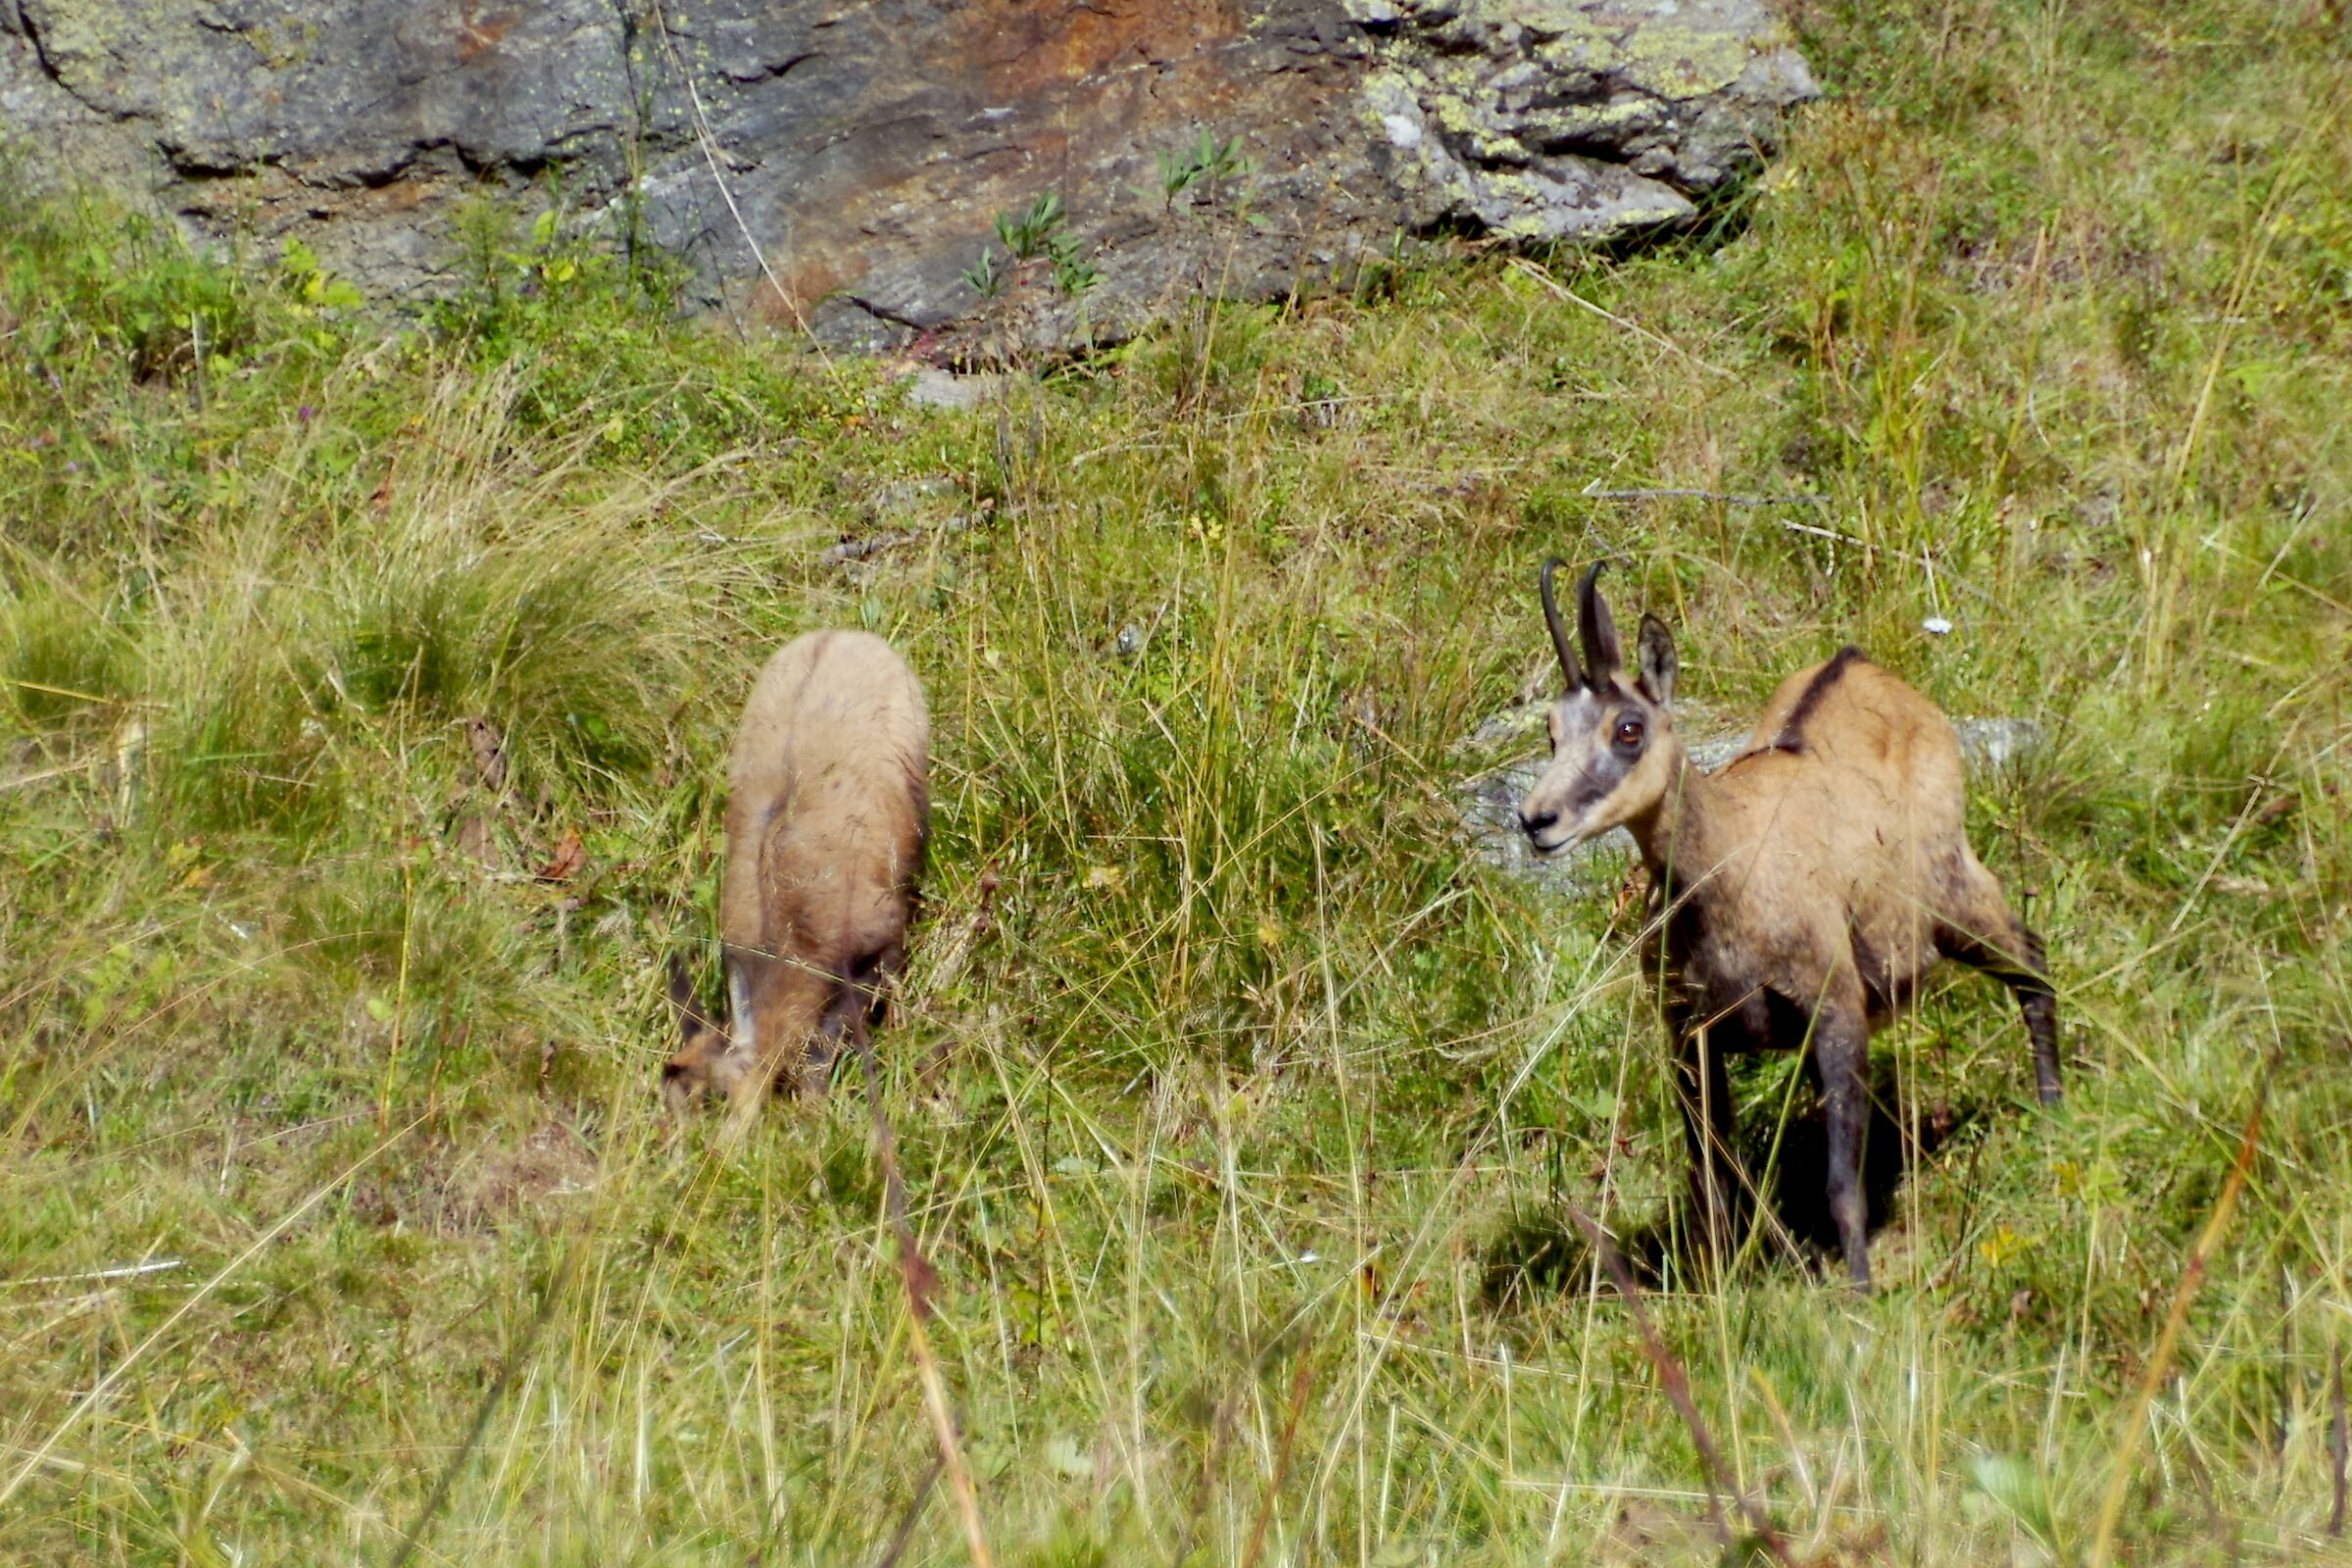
{"x": 1798, "y": 891}
{"x": 828, "y": 811}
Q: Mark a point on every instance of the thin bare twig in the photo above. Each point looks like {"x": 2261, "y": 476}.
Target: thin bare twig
{"x": 120, "y": 1272}
{"x": 38, "y": 1455}
{"x": 710, "y": 149}
{"x": 2160, "y": 1361}
{"x": 849, "y": 550}
{"x": 1676, "y": 1385}
{"x": 1561, "y": 290}
{"x": 1866, "y": 546}
{"x": 917, "y": 1274}
{"x": 1729, "y": 497}
{"x": 517, "y": 1360}
{"x": 914, "y": 1511}
{"x": 21, "y": 779}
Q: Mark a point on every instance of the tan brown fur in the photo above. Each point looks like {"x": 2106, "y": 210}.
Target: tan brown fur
{"x": 1802, "y": 890}
{"x": 828, "y": 811}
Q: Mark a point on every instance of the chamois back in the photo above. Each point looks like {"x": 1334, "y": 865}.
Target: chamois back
{"x": 1848, "y": 808}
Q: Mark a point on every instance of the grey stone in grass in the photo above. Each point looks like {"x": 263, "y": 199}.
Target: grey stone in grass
{"x": 1490, "y": 801}
{"x": 906, "y": 497}
{"x": 944, "y": 389}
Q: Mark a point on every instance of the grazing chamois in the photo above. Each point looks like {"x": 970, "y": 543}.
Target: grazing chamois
{"x": 828, "y": 810}
{"x": 1798, "y": 891}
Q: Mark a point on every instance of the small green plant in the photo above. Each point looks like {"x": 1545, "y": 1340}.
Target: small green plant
{"x": 984, "y": 275}
{"x": 1038, "y": 231}
{"x": 1208, "y": 163}
{"x": 124, "y": 288}
{"x": 1030, "y": 235}
{"x": 1073, "y": 274}
{"x": 313, "y": 286}
{"x": 557, "y": 278}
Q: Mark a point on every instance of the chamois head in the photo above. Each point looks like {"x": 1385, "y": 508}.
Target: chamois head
{"x": 704, "y": 1062}
{"x": 1613, "y": 750}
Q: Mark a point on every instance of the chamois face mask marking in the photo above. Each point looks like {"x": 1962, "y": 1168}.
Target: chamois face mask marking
{"x": 1596, "y": 739}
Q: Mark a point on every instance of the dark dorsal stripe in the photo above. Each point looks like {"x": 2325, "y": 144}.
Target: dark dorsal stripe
{"x": 1793, "y": 731}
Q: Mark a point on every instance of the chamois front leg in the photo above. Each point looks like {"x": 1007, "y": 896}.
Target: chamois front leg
{"x": 845, "y": 1018}
{"x": 1841, "y": 1058}
{"x": 780, "y": 1006}
{"x": 1718, "y": 1190}
{"x": 855, "y": 1007}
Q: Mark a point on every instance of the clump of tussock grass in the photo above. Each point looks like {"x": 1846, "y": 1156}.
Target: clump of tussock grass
{"x": 64, "y": 659}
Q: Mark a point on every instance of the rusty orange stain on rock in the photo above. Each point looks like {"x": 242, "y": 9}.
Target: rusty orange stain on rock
{"x": 802, "y": 286}
{"x": 1025, "y": 46}
{"x": 477, "y": 33}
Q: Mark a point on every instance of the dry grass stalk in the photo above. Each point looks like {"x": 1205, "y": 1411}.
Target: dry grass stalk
{"x": 2160, "y": 1359}
{"x": 916, "y": 1275}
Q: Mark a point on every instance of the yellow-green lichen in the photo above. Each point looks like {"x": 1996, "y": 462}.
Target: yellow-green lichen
{"x": 1683, "y": 62}
{"x": 1588, "y": 121}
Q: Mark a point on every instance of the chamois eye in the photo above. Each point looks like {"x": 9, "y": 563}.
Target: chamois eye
{"x": 1628, "y": 732}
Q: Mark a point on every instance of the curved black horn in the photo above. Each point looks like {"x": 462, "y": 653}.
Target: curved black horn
{"x": 1559, "y": 628}
{"x": 1603, "y": 656}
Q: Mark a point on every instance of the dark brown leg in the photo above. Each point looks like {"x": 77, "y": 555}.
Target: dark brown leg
{"x": 2040, "y": 1005}
{"x": 1840, "y": 1057}
{"x": 843, "y": 1013}
{"x": 2017, "y": 961}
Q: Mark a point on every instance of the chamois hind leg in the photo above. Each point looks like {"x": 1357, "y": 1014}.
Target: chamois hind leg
{"x": 1841, "y": 1061}
{"x": 1718, "y": 1186}
{"x": 1991, "y": 939}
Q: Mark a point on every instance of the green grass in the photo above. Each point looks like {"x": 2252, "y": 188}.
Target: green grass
{"x": 1226, "y": 1074}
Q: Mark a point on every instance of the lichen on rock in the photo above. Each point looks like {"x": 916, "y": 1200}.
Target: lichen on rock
{"x": 1558, "y": 120}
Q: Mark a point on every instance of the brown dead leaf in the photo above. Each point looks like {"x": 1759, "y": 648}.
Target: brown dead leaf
{"x": 571, "y": 856}
{"x": 2272, "y": 809}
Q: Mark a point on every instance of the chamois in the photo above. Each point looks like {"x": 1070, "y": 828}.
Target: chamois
{"x": 1798, "y": 891}
{"x": 828, "y": 810}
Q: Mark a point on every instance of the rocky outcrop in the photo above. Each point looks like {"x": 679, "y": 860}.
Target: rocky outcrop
{"x": 841, "y": 163}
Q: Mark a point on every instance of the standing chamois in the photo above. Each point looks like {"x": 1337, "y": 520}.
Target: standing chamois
{"x": 828, "y": 810}
{"x": 1799, "y": 891}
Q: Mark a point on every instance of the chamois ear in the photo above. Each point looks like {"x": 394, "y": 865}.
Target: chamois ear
{"x": 1658, "y": 664}
{"x": 1603, "y": 656}
{"x": 683, "y": 1003}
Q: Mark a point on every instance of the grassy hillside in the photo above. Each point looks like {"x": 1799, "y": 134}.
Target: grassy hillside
{"x": 362, "y": 695}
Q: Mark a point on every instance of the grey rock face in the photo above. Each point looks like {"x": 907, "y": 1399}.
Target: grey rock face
{"x": 842, "y": 164}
